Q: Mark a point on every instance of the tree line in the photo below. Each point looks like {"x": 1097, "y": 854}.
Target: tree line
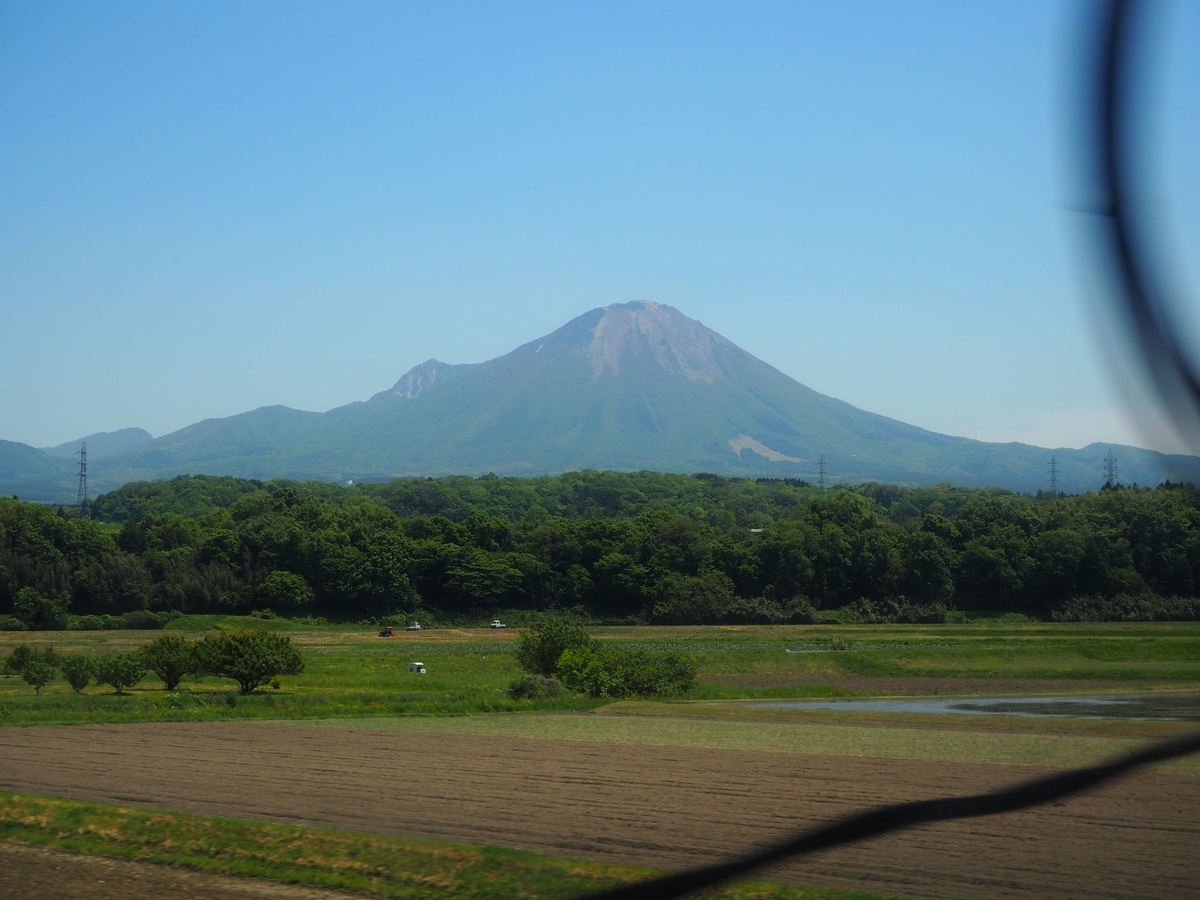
{"x": 639, "y": 547}
{"x": 250, "y": 658}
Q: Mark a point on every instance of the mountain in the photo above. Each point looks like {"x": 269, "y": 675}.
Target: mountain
{"x": 631, "y": 386}
{"x": 101, "y": 444}
{"x": 422, "y": 378}
{"x": 31, "y": 474}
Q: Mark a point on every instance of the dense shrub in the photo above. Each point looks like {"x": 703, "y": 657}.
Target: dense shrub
{"x": 11, "y": 623}
{"x": 1128, "y": 608}
{"x": 251, "y": 658}
{"x": 535, "y": 687}
{"x": 120, "y": 670}
{"x": 319, "y": 621}
{"x": 761, "y": 611}
{"x": 891, "y": 610}
{"x": 600, "y": 671}
{"x": 544, "y": 642}
{"x": 89, "y": 623}
{"x": 144, "y": 620}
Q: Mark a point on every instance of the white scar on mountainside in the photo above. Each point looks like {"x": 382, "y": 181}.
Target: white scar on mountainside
{"x": 745, "y": 442}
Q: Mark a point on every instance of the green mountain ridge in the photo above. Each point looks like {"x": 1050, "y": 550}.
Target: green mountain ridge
{"x": 626, "y": 387}
{"x": 101, "y": 444}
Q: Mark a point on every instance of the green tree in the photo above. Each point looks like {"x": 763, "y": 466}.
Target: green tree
{"x": 542, "y": 643}
{"x": 928, "y": 568}
{"x": 78, "y": 670}
{"x": 40, "y": 613}
{"x": 699, "y": 600}
{"x": 170, "y": 658}
{"x": 37, "y": 667}
{"x": 251, "y": 658}
{"x": 38, "y": 672}
{"x": 15, "y": 662}
{"x": 121, "y": 670}
{"x": 285, "y": 591}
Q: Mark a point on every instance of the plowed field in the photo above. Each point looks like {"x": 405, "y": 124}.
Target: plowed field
{"x": 636, "y": 804}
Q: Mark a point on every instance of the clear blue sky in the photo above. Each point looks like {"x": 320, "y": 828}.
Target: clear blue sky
{"x": 209, "y": 207}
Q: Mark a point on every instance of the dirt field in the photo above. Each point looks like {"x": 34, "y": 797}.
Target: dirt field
{"x": 634, "y": 804}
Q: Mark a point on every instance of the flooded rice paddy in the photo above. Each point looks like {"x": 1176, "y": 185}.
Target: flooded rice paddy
{"x": 1169, "y": 706}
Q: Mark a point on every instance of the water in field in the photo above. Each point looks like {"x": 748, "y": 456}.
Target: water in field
{"x": 1183, "y": 706}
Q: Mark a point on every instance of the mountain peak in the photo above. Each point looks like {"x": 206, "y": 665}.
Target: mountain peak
{"x": 103, "y": 443}
{"x": 646, "y": 330}
{"x": 421, "y": 378}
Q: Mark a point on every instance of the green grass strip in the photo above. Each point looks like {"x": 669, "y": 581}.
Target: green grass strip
{"x": 1053, "y": 751}
{"x": 377, "y": 865}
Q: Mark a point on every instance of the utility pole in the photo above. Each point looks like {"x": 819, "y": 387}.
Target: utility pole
{"x": 81, "y": 497}
{"x": 1110, "y": 469}
{"x": 821, "y": 471}
{"x": 1053, "y": 477}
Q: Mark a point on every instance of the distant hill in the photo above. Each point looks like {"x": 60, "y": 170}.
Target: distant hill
{"x": 627, "y": 387}
{"x": 31, "y": 474}
{"x": 102, "y": 444}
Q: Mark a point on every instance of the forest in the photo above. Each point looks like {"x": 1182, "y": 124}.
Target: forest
{"x": 601, "y": 546}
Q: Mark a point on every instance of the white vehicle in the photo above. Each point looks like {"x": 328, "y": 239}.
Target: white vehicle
{"x": 418, "y": 667}
{"x": 496, "y": 623}
{"x": 415, "y": 626}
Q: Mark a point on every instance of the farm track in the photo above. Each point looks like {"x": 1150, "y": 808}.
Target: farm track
{"x": 666, "y": 807}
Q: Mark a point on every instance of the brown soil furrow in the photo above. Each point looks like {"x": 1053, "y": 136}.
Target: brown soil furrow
{"x": 635, "y": 804}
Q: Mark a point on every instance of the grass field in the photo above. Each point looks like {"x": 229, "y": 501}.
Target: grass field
{"x": 381, "y": 866}
{"x": 996, "y": 746}
{"x": 352, "y": 672}
{"x": 356, "y": 681}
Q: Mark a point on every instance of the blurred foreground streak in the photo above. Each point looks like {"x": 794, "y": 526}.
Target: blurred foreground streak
{"x": 1120, "y": 234}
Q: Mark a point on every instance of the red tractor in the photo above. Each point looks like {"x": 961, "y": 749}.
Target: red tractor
{"x": 386, "y": 631}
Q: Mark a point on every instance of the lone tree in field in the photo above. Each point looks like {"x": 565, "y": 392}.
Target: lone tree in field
{"x": 121, "y": 670}
{"x": 37, "y": 667}
{"x": 38, "y": 673}
{"x": 78, "y": 670}
{"x": 170, "y": 658}
{"x": 15, "y": 662}
{"x": 545, "y": 641}
{"x": 251, "y": 658}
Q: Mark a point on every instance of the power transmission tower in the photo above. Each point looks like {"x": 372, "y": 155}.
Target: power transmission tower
{"x": 81, "y": 497}
{"x": 1053, "y": 477}
{"x": 1110, "y": 468}
{"x": 821, "y": 471}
